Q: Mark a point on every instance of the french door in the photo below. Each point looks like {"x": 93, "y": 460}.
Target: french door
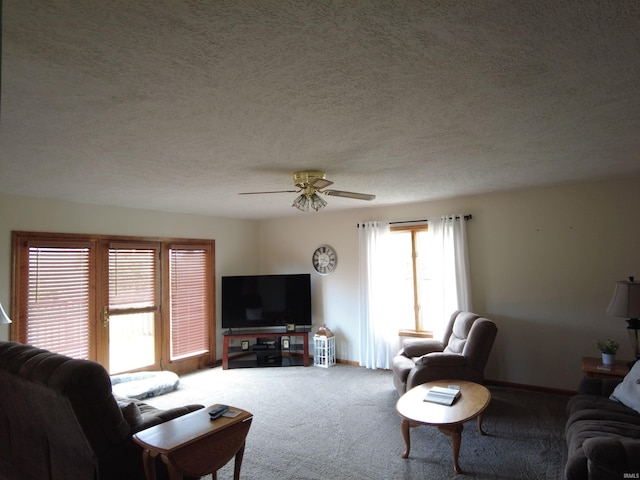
{"x": 131, "y": 309}
{"x": 127, "y": 303}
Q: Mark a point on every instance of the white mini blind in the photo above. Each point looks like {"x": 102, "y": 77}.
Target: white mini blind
{"x": 132, "y": 278}
{"x": 59, "y": 298}
{"x": 190, "y": 280}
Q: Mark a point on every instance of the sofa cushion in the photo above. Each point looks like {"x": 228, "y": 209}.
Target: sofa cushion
{"x": 591, "y": 407}
{"x": 603, "y": 435}
{"x": 628, "y": 391}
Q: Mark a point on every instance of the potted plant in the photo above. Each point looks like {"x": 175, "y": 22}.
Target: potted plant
{"x": 608, "y": 348}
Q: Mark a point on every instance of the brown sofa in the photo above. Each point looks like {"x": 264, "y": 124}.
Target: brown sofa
{"x": 462, "y": 354}
{"x": 60, "y": 421}
{"x": 603, "y": 435}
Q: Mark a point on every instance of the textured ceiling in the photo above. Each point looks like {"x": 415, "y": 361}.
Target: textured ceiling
{"x": 179, "y": 105}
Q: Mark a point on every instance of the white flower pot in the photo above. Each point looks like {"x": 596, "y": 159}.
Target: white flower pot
{"x": 608, "y": 358}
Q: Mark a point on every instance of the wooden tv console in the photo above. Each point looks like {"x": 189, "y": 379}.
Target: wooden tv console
{"x": 291, "y": 352}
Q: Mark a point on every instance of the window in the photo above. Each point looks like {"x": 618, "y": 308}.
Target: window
{"x": 133, "y": 307}
{"x": 128, "y": 303}
{"x": 410, "y": 277}
{"x": 58, "y": 297}
{"x": 188, "y": 298}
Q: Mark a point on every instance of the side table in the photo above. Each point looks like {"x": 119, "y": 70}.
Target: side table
{"x": 194, "y": 445}
{"x": 593, "y": 367}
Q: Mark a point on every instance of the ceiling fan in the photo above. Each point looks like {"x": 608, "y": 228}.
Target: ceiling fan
{"x": 309, "y": 184}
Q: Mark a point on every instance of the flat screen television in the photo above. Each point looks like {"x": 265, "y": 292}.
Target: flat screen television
{"x": 266, "y": 300}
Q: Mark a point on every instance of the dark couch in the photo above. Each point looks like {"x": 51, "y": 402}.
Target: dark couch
{"x": 60, "y": 421}
{"x": 603, "y": 436}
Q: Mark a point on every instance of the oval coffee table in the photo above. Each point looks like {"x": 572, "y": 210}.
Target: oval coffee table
{"x": 473, "y": 400}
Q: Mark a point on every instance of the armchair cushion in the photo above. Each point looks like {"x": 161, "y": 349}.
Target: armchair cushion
{"x": 460, "y": 332}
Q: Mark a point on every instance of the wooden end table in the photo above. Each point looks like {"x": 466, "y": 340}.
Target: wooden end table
{"x": 593, "y": 367}
{"x": 474, "y": 399}
{"x": 194, "y": 445}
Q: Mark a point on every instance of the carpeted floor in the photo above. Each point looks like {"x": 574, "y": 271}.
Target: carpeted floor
{"x": 340, "y": 423}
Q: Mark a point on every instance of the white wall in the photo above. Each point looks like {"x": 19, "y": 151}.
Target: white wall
{"x": 543, "y": 266}
{"x": 543, "y": 263}
{"x": 236, "y": 240}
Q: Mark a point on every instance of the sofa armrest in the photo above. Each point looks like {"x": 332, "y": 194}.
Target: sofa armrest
{"x": 166, "y": 415}
{"x": 611, "y": 456}
{"x": 419, "y": 347}
{"x": 602, "y": 387}
{"x": 148, "y": 416}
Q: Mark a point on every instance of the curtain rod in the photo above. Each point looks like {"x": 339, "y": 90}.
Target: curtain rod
{"x": 466, "y": 217}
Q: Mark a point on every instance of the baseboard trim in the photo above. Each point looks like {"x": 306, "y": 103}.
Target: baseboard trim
{"x": 497, "y": 383}
{"x": 494, "y": 383}
{"x": 531, "y": 388}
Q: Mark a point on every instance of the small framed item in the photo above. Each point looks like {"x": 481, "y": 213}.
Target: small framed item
{"x": 285, "y": 344}
{"x": 245, "y": 345}
{"x": 291, "y": 327}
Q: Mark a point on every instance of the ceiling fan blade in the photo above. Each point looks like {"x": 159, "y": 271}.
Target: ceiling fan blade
{"x": 260, "y": 193}
{"x": 320, "y": 183}
{"x": 357, "y": 196}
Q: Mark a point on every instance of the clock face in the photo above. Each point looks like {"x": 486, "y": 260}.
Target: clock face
{"x": 324, "y": 260}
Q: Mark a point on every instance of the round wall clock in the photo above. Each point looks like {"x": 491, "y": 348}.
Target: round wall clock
{"x": 324, "y": 259}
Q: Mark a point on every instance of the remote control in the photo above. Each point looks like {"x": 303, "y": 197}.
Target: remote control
{"x": 218, "y": 411}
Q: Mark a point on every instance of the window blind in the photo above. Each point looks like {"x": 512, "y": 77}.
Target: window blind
{"x": 59, "y": 300}
{"x": 132, "y": 274}
{"x": 189, "y": 285}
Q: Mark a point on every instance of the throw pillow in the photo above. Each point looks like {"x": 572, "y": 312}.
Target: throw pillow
{"x": 628, "y": 391}
{"x": 131, "y": 413}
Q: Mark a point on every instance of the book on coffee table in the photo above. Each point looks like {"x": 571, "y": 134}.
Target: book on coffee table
{"x": 442, "y": 395}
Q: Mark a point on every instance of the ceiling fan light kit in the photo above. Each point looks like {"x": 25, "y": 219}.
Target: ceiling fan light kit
{"x": 303, "y": 201}
{"x": 310, "y": 183}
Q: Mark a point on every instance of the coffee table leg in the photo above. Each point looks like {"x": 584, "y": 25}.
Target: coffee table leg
{"x": 455, "y": 432}
{"x": 405, "y": 427}
{"x": 480, "y": 418}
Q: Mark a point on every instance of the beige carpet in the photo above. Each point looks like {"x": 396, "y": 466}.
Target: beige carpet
{"x": 340, "y": 423}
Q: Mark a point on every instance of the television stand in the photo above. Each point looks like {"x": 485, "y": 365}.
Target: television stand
{"x": 271, "y": 357}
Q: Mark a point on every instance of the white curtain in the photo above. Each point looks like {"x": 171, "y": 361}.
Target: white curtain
{"x": 444, "y": 248}
{"x": 378, "y": 334}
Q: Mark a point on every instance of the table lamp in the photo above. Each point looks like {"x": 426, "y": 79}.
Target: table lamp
{"x": 625, "y": 303}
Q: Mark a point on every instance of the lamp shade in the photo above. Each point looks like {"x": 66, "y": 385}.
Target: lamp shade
{"x": 4, "y": 318}
{"x": 625, "y": 302}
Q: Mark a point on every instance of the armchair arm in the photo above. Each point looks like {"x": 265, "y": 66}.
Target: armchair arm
{"x": 439, "y": 359}
{"x": 609, "y": 457}
{"x": 419, "y": 347}
{"x": 438, "y": 365}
